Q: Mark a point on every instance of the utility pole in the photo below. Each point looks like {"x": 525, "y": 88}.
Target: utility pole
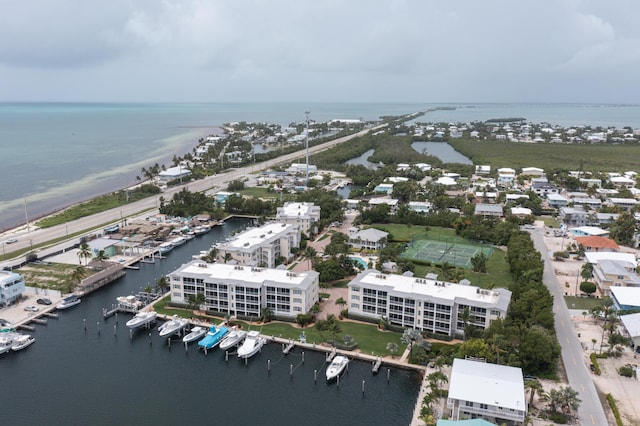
{"x": 306, "y": 113}
{"x": 26, "y": 216}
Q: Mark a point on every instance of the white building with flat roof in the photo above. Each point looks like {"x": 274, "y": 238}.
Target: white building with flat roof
{"x": 244, "y": 290}
{"x": 425, "y": 303}
{"x": 261, "y": 246}
{"x": 11, "y": 287}
{"x": 302, "y": 215}
{"x": 490, "y": 391}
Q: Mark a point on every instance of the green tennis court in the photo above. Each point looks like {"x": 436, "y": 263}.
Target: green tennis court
{"x": 457, "y": 254}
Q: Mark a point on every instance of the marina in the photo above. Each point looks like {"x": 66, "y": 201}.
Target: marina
{"x": 87, "y": 347}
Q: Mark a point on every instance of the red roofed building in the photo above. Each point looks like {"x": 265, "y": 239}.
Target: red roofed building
{"x": 595, "y": 243}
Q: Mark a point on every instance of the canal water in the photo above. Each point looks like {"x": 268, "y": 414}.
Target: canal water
{"x": 102, "y": 377}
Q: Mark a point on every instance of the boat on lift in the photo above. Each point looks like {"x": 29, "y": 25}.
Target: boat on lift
{"x": 213, "y": 337}
{"x": 22, "y": 341}
{"x": 252, "y": 344}
{"x": 174, "y": 325}
{"x": 142, "y": 318}
{"x": 68, "y": 302}
{"x": 232, "y": 339}
{"x": 196, "y": 333}
{"x": 336, "y": 367}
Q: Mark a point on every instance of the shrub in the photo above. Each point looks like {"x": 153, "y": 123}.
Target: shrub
{"x": 614, "y": 409}
{"x": 594, "y": 362}
{"x": 626, "y": 371}
{"x": 559, "y": 418}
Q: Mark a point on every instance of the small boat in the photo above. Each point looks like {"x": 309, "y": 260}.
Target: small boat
{"x": 165, "y": 247}
{"x": 130, "y": 303}
{"x": 233, "y": 339}
{"x": 68, "y": 302}
{"x": 22, "y": 341}
{"x": 6, "y": 326}
{"x": 336, "y": 367}
{"x": 174, "y": 325}
{"x": 142, "y": 318}
{"x": 252, "y": 344}
{"x": 213, "y": 337}
{"x": 195, "y": 334}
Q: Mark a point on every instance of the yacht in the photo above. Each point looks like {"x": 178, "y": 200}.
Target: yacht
{"x": 252, "y": 344}
{"x": 22, "y": 341}
{"x": 213, "y": 337}
{"x": 201, "y": 229}
{"x": 68, "y": 302}
{"x": 232, "y": 339}
{"x": 165, "y": 247}
{"x": 174, "y": 325}
{"x": 178, "y": 241}
{"x": 195, "y": 334}
{"x": 142, "y": 318}
{"x": 337, "y": 366}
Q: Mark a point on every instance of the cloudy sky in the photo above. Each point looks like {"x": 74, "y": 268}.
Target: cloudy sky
{"x": 320, "y": 50}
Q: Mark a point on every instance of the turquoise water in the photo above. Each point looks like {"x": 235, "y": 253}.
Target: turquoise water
{"x": 55, "y": 154}
{"x": 360, "y": 262}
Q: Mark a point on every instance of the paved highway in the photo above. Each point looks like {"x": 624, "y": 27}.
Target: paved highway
{"x": 579, "y": 376}
{"x": 149, "y": 205}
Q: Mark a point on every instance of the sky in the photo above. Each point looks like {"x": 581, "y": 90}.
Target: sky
{"x": 320, "y": 51}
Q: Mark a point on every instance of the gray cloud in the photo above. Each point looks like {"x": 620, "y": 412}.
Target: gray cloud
{"x": 375, "y": 50}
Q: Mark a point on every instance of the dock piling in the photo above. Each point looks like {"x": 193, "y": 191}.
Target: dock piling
{"x": 363, "y": 387}
{"x": 131, "y": 334}
{"x": 84, "y": 324}
{"x": 291, "y": 370}
{"x": 315, "y": 376}
{"x": 98, "y": 327}
{"x": 226, "y": 356}
{"x": 268, "y": 365}
{"x": 303, "y": 357}
{"x": 115, "y": 329}
{"x": 388, "y": 373}
{"x": 169, "y": 342}
{"x": 149, "y": 338}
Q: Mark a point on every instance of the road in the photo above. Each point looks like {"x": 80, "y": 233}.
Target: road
{"x": 149, "y": 206}
{"x": 579, "y": 376}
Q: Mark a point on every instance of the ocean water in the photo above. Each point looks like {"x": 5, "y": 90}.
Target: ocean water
{"x": 56, "y": 154}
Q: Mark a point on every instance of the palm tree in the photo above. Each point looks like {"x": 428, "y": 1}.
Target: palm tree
{"x": 162, "y": 284}
{"x": 411, "y": 336}
{"x": 84, "y": 251}
{"x": 102, "y": 257}
{"x": 78, "y": 274}
{"x": 227, "y": 257}
{"x": 194, "y": 301}
{"x": 211, "y": 256}
{"x": 393, "y": 348}
{"x": 384, "y": 323}
{"x": 340, "y": 302}
{"x": 568, "y": 400}
{"x": 267, "y": 314}
{"x": 534, "y": 386}
{"x": 586, "y": 272}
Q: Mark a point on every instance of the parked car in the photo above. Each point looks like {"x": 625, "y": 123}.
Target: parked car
{"x": 31, "y": 308}
{"x": 44, "y": 301}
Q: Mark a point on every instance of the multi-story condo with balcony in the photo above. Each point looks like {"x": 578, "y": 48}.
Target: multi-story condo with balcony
{"x": 302, "y": 215}
{"x": 424, "y": 303}
{"x": 262, "y": 246}
{"x": 244, "y": 290}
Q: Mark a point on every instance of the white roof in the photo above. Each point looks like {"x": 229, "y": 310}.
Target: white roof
{"x": 629, "y": 296}
{"x": 434, "y": 289}
{"x": 596, "y": 256}
{"x": 632, "y": 324}
{"x": 447, "y": 181}
{"x": 520, "y": 210}
{"x": 484, "y": 383}
{"x": 222, "y": 272}
{"x": 297, "y": 209}
{"x": 590, "y": 230}
{"x": 255, "y": 236}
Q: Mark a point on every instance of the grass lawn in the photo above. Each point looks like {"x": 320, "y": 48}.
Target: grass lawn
{"x": 584, "y": 303}
{"x": 401, "y": 232}
{"x": 549, "y": 222}
{"x": 55, "y": 276}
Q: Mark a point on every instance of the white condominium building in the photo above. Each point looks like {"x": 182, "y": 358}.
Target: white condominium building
{"x": 302, "y": 215}
{"x": 424, "y": 303}
{"x": 260, "y": 246}
{"x": 245, "y": 290}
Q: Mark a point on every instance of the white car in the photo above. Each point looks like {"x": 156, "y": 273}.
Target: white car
{"x": 31, "y": 308}
{"x": 11, "y": 241}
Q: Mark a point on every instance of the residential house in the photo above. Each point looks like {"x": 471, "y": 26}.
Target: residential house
{"x": 532, "y": 171}
{"x": 622, "y": 182}
{"x": 556, "y": 200}
{"x": 611, "y": 273}
{"x": 369, "y": 239}
{"x": 420, "y": 206}
{"x": 384, "y": 188}
{"x": 543, "y": 188}
{"x": 244, "y": 290}
{"x": 625, "y": 298}
{"x": 174, "y": 173}
{"x": 487, "y": 210}
{"x": 493, "y": 392}
{"x": 589, "y": 231}
{"x": 12, "y": 286}
{"x": 391, "y": 202}
{"x": 597, "y": 243}
{"x": 625, "y": 203}
{"x": 303, "y": 215}
{"x": 631, "y": 325}
{"x": 506, "y": 176}
{"x": 573, "y": 216}
{"x": 483, "y": 170}
{"x": 222, "y": 196}
{"x": 425, "y": 303}
{"x": 521, "y": 212}
{"x": 263, "y": 246}
{"x": 593, "y": 203}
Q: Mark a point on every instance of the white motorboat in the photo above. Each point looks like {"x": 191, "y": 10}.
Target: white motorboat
{"x": 7, "y": 339}
{"x": 142, "y": 318}
{"x": 252, "y": 344}
{"x": 165, "y": 247}
{"x": 178, "y": 241}
{"x": 68, "y": 302}
{"x": 201, "y": 229}
{"x": 174, "y": 325}
{"x": 195, "y": 334}
{"x": 232, "y": 339}
{"x": 337, "y": 366}
{"x": 22, "y": 341}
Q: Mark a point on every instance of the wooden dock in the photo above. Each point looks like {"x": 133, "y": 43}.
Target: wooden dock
{"x": 376, "y": 366}
{"x": 287, "y": 348}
